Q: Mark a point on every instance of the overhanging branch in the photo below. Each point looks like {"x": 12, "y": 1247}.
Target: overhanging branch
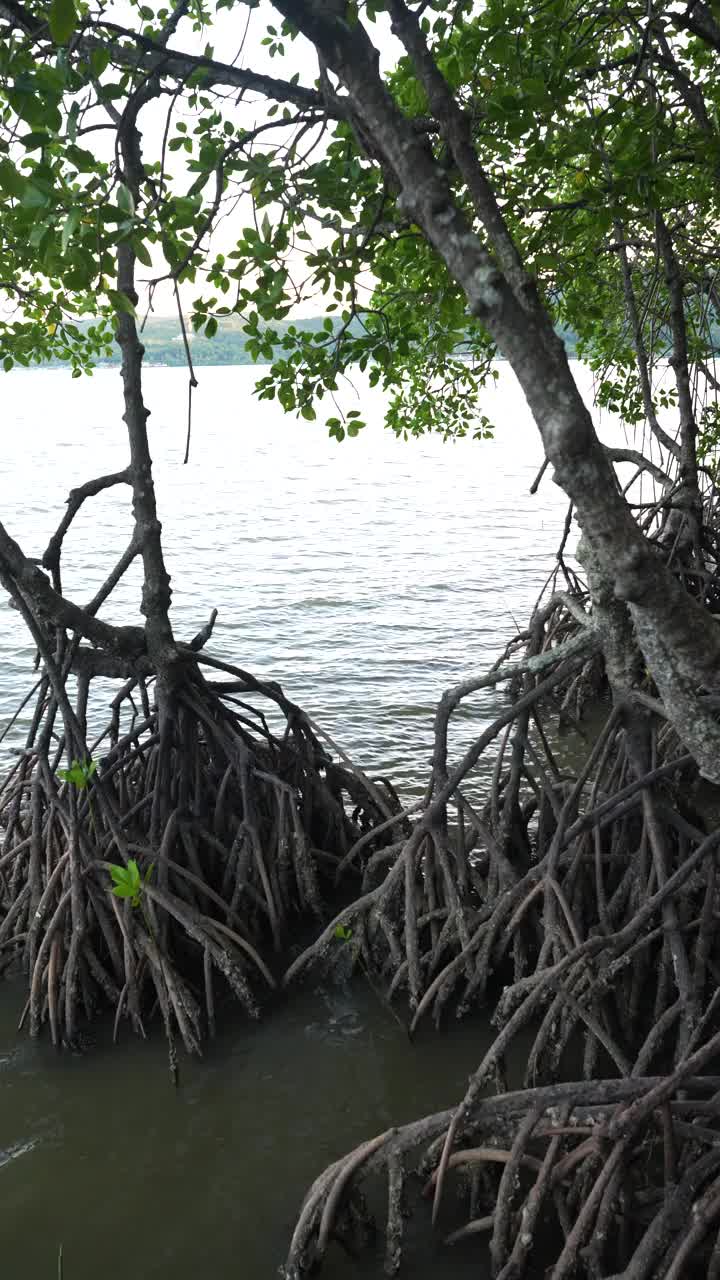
{"x": 57, "y": 611}
{"x": 640, "y": 461}
{"x": 51, "y": 556}
{"x": 151, "y": 56}
{"x": 699, "y": 21}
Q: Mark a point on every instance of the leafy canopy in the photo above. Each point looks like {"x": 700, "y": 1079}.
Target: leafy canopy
{"x": 590, "y": 122}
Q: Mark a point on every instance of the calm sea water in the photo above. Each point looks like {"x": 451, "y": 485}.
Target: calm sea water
{"x": 366, "y": 578}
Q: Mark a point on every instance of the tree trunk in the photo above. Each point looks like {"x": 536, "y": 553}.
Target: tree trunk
{"x": 680, "y": 643}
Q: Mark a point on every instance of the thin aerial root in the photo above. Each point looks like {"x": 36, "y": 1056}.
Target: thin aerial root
{"x": 221, "y": 823}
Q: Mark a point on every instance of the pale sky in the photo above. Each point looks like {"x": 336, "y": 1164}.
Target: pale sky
{"x": 230, "y": 44}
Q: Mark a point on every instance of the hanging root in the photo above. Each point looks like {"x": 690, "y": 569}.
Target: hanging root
{"x": 610, "y": 1177}
{"x": 237, "y": 818}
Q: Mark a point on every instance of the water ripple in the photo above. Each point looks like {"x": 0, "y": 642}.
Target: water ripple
{"x": 366, "y": 577}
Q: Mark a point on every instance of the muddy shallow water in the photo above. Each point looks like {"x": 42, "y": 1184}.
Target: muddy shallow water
{"x": 98, "y": 1152}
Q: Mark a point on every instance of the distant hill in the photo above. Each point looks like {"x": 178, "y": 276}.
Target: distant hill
{"x": 163, "y": 341}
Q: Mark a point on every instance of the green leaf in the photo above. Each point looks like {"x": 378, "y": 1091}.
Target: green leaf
{"x": 184, "y": 211}
{"x": 141, "y": 252}
{"x": 11, "y": 180}
{"x": 72, "y": 121}
{"x": 70, "y": 226}
{"x": 125, "y": 199}
{"x": 63, "y": 20}
{"x": 127, "y": 882}
{"x": 121, "y": 302}
{"x": 75, "y": 775}
{"x": 99, "y": 61}
{"x": 33, "y": 197}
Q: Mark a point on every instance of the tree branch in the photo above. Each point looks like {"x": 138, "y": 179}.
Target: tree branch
{"x": 18, "y": 16}
{"x": 93, "y": 663}
{"x": 699, "y": 21}
{"x": 455, "y": 128}
{"x": 640, "y": 461}
{"x": 199, "y": 641}
{"x": 690, "y": 93}
{"x": 110, "y": 583}
{"x": 156, "y": 594}
{"x": 125, "y": 642}
{"x": 638, "y": 341}
{"x": 174, "y": 20}
{"x": 680, "y": 364}
{"x": 708, "y": 374}
{"x": 51, "y": 556}
{"x": 152, "y": 58}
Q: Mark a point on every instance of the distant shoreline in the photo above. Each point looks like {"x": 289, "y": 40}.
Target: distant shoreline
{"x": 164, "y": 343}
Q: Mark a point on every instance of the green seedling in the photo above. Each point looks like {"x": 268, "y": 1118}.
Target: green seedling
{"x": 127, "y": 881}
{"x": 80, "y": 773}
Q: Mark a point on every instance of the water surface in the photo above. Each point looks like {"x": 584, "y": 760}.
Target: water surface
{"x": 366, "y": 578}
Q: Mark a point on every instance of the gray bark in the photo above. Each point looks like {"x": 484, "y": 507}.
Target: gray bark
{"x": 55, "y": 610}
{"x": 156, "y": 593}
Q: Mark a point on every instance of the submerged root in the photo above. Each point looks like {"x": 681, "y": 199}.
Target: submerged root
{"x": 236, "y": 817}
{"x": 600, "y": 1177}
{"x": 584, "y": 904}
{"x": 566, "y": 889}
